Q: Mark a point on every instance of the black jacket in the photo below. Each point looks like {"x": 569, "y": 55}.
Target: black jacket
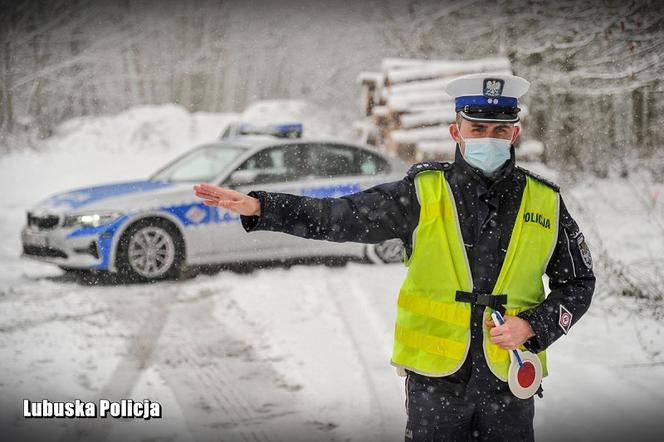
{"x": 487, "y": 209}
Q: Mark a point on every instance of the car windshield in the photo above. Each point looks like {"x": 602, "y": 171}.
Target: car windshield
{"x": 202, "y": 164}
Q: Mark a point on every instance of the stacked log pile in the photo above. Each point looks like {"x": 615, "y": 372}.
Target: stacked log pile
{"x": 406, "y": 110}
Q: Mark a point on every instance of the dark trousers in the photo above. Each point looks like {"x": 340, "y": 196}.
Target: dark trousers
{"x": 442, "y": 410}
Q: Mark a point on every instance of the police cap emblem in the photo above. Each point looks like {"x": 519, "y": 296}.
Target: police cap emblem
{"x": 493, "y": 87}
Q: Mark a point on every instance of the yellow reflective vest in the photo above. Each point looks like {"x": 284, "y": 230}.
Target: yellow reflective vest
{"x": 432, "y": 330}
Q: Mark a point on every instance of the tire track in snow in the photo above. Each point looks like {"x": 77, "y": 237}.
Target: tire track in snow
{"x": 151, "y": 318}
{"x": 362, "y": 323}
{"x": 205, "y": 366}
{"x": 194, "y": 370}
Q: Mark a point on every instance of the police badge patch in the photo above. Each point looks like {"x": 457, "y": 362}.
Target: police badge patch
{"x": 493, "y": 87}
{"x": 585, "y": 251}
{"x": 564, "y": 319}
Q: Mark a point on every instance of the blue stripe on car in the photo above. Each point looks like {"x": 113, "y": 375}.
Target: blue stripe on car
{"x": 104, "y": 235}
{"x": 330, "y": 191}
{"x": 206, "y": 215}
{"x": 201, "y": 214}
{"x": 80, "y": 197}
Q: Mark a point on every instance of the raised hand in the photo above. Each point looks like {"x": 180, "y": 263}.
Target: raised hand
{"x": 228, "y": 199}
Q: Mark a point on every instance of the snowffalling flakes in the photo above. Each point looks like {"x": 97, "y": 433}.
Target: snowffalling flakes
{"x": 125, "y": 408}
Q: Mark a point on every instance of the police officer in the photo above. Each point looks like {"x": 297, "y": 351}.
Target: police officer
{"x": 478, "y": 234}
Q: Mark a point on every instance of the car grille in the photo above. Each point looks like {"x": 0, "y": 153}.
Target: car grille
{"x": 43, "y": 251}
{"x": 43, "y": 222}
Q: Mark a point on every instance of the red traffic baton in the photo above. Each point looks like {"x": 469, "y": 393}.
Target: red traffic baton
{"x": 524, "y": 376}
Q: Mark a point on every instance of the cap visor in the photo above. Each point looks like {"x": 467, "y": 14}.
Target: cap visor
{"x": 490, "y": 117}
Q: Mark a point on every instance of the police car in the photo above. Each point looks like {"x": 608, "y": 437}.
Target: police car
{"x": 153, "y": 228}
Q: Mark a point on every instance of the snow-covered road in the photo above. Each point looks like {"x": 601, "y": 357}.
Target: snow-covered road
{"x": 277, "y": 354}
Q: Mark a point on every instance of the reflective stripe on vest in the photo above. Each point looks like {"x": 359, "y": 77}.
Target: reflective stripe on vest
{"x": 432, "y": 330}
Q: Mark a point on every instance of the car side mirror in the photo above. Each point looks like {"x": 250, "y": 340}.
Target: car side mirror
{"x": 240, "y": 177}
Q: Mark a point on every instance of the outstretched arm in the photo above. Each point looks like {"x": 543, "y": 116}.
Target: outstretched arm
{"x": 381, "y": 212}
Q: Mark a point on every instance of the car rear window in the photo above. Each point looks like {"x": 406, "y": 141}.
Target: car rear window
{"x": 331, "y": 160}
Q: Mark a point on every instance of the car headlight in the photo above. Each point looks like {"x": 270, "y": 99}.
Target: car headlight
{"x": 91, "y": 219}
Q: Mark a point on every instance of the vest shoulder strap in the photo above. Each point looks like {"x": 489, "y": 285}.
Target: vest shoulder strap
{"x": 427, "y": 165}
{"x": 539, "y": 178}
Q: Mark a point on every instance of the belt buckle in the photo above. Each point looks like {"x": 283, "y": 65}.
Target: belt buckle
{"x": 484, "y": 299}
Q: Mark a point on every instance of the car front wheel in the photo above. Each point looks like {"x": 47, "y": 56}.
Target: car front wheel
{"x": 150, "y": 250}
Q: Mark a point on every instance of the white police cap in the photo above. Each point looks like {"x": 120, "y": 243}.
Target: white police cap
{"x": 488, "y": 97}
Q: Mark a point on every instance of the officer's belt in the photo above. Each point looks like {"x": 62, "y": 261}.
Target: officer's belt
{"x": 496, "y": 302}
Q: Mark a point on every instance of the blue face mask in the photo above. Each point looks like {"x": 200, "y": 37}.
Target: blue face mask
{"x": 487, "y": 154}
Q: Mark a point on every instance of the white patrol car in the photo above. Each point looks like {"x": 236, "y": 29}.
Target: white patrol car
{"x": 151, "y": 229}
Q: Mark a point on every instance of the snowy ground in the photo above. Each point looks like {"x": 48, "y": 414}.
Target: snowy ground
{"x": 286, "y": 354}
